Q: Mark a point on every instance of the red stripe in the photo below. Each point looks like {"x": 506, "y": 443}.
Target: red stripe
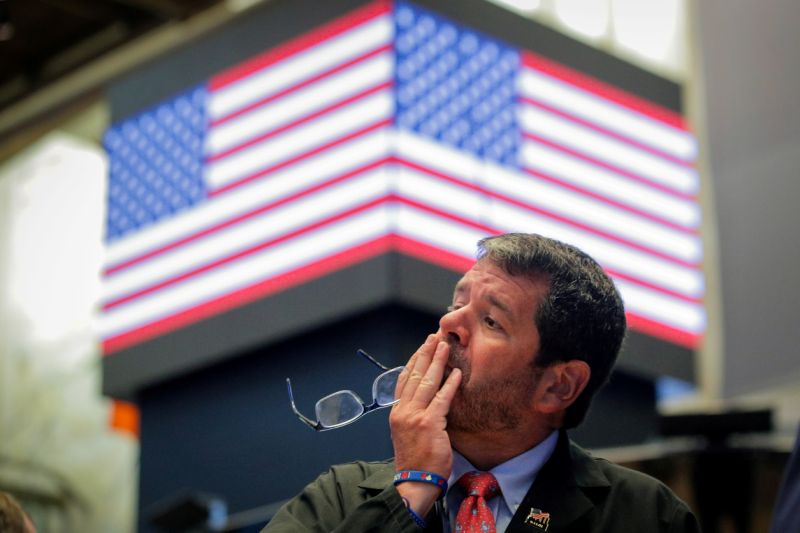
{"x": 607, "y": 133}
{"x": 441, "y": 175}
{"x": 604, "y": 90}
{"x": 241, "y": 254}
{"x": 444, "y": 214}
{"x": 608, "y": 166}
{"x": 304, "y": 42}
{"x": 664, "y": 332}
{"x": 249, "y": 294}
{"x": 610, "y": 201}
{"x": 261, "y": 173}
{"x": 548, "y": 214}
{"x": 244, "y": 216}
{"x": 652, "y": 287}
{"x": 303, "y": 120}
{"x": 294, "y": 88}
{"x": 432, "y": 254}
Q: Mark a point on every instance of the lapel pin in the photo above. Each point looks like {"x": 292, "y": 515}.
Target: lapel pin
{"x": 538, "y": 518}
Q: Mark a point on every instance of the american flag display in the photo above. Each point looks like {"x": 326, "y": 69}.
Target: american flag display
{"x": 393, "y": 129}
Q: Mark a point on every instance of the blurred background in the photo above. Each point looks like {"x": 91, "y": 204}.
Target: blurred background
{"x": 201, "y": 198}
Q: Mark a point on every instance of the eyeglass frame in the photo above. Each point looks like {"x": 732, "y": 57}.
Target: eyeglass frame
{"x": 317, "y": 425}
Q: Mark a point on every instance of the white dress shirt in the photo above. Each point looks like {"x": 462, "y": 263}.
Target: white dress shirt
{"x": 515, "y": 477}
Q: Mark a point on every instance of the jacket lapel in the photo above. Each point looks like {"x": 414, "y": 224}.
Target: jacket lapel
{"x": 558, "y": 500}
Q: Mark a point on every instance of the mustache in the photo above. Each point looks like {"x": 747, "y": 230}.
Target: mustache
{"x": 456, "y": 358}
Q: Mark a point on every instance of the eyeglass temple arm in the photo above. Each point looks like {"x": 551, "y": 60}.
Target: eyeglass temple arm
{"x": 310, "y": 423}
{"x": 371, "y": 359}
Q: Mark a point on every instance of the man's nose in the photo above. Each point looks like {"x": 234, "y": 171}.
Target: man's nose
{"x": 453, "y": 326}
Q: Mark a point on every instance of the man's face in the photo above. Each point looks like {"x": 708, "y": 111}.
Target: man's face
{"x": 493, "y": 340}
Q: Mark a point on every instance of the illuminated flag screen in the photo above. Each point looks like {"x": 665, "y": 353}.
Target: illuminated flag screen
{"x": 393, "y": 128}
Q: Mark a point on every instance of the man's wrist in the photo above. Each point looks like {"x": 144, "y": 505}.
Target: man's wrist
{"x": 423, "y": 476}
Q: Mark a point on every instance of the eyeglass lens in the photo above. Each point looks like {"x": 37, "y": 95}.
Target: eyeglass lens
{"x": 339, "y": 408}
{"x": 344, "y": 407}
{"x": 384, "y": 386}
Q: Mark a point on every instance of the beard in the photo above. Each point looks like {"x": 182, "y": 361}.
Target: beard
{"x": 496, "y": 404}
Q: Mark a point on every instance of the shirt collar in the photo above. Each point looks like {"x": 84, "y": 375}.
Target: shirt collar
{"x": 514, "y": 476}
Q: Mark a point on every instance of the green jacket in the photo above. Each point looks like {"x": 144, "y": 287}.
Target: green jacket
{"x": 573, "y": 492}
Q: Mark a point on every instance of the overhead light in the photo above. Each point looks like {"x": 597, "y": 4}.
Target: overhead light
{"x": 524, "y": 6}
{"x": 237, "y": 6}
{"x": 587, "y": 17}
{"x": 653, "y": 30}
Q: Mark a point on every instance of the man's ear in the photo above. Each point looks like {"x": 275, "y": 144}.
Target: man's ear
{"x": 561, "y": 384}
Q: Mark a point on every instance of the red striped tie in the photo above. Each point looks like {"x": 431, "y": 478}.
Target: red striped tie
{"x": 474, "y": 516}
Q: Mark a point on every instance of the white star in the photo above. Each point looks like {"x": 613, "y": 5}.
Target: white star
{"x": 405, "y": 70}
{"x": 468, "y": 44}
{"x": 427, "y": 25}
{"x": 404, "y": 43}
{"x": 404, "y": 17}
{"x": 432, "y": 49}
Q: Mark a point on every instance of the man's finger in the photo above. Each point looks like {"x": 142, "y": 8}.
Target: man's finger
{"x": 414, "y": 372}
{"x": 403, "y": 377}
{"x": 432, "y": 379}
{"x": 440, "y": 405}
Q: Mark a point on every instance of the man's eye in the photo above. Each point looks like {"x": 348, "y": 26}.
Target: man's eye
{"x": 453, "y": 307}
{"x": 491, "y": 322}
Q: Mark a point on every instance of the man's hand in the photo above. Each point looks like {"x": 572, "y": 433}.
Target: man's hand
{"x": 419, "y": 421}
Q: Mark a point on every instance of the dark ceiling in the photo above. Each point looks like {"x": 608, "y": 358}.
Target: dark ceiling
{"x": 44, "y": 40}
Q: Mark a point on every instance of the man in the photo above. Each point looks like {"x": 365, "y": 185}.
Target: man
{"x": 533, "y": 332}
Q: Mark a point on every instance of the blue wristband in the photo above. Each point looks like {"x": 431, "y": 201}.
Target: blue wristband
{"x": 417, "y": 518}
{"x": 424, "y": 477}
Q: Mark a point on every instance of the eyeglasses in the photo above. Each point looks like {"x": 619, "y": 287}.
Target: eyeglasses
{"x": 345, "y": 406}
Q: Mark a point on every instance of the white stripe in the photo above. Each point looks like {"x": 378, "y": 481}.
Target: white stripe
{"x": 610, "y": 254}
{"x": 540, "y": 158}
{"x": 662, "y": 308}
{"x": 301, "y": 139}
{"x": 298, "y": 67}
{"x": 436, "y": 192}
{"x": 240, "y": 237}
{"x": 299, "y": 104}
{"x": 596, "y": 214}
{"x": 617, "y": 153}
{"x": 271, "y": 262}
{"x": 440, "y": 157}
{"x": 331, "y": 163}
{"x": 610, "y": 115}
{"x": 437, "y": 231}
